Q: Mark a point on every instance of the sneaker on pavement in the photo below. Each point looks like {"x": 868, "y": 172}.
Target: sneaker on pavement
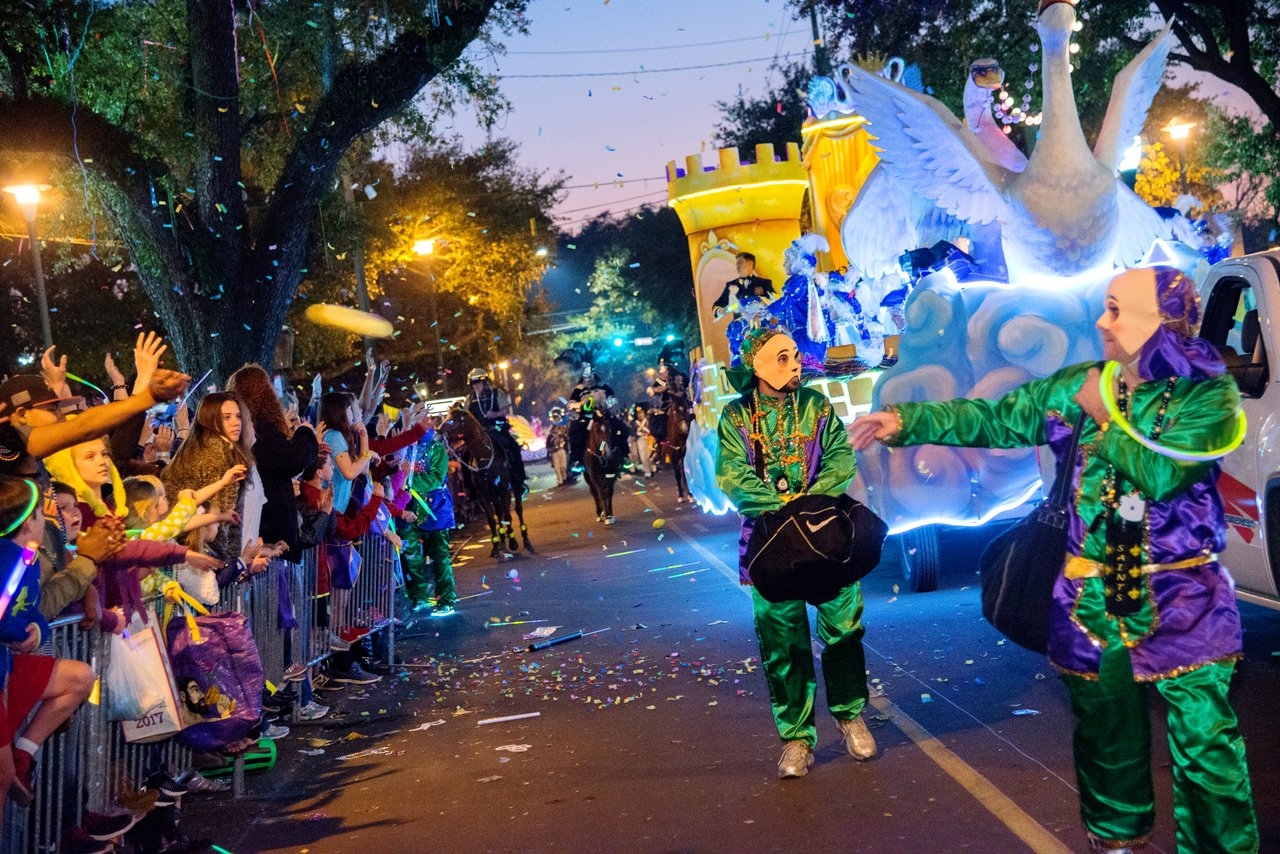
{"x": 197, "y": 783}
{"x": 295, "y": 673}
{"x": 355, "y": 675}
{"x": 101, "y": 827}
{"x": 312, "y": 711}
{"x": 337, "y": 644}
{"x": 444, "y": 611}
{"x": 325, "y": 683}
{"x": 165, "y": 784}
{"x": 857, "y": 738}
{"x": 275, "y": 731}
{"x": 22, "y": 790}
{"x": 796, "y": 759}
{"x": 77, "y": 841}
{"x": 421, "y": 605}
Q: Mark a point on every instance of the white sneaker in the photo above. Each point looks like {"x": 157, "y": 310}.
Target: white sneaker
{"x": 312, "y": 711}
{"x": 275, "y": 731}
{"x": 857, "y": 738}
{"x": 796, "y": 759}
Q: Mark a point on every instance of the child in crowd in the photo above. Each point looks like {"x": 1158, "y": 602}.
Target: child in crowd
{"x": 204, "y": 583}
{"x": 56, "y": 686}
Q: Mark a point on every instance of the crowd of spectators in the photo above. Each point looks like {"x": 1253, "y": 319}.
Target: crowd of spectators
{"x": 104, "y": 502}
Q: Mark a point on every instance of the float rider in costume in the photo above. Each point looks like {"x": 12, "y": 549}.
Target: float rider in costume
{"x": 1141, "y": 599}
{"x": 427, "y": 539}
{"x": 493, "y": 408}
{"x": 743, "y": 299}
{"x": 804, "y": 449}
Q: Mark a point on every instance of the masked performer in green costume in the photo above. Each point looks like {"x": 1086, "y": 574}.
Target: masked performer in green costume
{"x": 1141, "y": 598}
{"x": 804, "y": 449}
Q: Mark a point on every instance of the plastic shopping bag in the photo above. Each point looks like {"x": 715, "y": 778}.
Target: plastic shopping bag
{"x": 136, "y": 682}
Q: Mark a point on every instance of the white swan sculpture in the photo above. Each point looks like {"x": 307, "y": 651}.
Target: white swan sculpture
{"x": 908, "y": 220}
{"x": 1066, "y": 213}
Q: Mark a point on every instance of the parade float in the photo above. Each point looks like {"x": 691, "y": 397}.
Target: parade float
{"x": 943, "y": 262}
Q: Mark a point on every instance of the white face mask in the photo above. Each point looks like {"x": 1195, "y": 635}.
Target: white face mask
{"x": 777, "y": 362}
{"x": 1130, "y": 315}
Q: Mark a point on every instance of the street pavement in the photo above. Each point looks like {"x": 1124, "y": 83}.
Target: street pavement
{"x": 655, "y": 734}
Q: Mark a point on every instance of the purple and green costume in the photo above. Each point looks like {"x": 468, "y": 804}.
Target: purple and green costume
{"x": 826, "y": 467}
{"x": 1182, "y": 632}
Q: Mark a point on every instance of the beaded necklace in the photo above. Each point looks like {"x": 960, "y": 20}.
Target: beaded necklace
{"x": 788, "y": 448}
{"x": 1109, "y": 479}
{"x": 1125, "y": 518}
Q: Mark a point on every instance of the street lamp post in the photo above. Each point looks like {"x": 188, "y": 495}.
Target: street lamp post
{"x": 1179, "y": 131}
{"x": 28, "y": 198}
{"x": 425, "y": 249}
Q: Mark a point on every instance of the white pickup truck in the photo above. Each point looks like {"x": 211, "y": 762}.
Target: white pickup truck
{"x": 1241, "y": 301}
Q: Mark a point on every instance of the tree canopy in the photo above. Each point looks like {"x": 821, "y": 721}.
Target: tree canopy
{"x": 207, "y": 134}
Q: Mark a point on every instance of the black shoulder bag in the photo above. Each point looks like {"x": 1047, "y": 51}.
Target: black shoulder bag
{"x": 812, "y": 547}
{"x": 1020, "y": 567}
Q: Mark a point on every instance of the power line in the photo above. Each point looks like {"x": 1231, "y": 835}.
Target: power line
{"x": 633, "y": 71}
{"x": 605, "y": 209}
{"x": 636, "y": 49}
{"x": 612, "y": 182}
{"x": 615, "y": 201}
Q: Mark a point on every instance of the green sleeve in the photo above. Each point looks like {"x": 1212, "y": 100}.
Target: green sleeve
{"x": 735, "y": 474}
{"x": 435, "y": 469}
{"x": 838, "y": 465}
{"x": 1016, "y": 420}
{"x": 1202, "y": 418}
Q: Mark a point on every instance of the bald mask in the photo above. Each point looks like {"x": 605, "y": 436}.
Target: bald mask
{"x": 1131, "y": 312}
{"x": 777, "y": 362}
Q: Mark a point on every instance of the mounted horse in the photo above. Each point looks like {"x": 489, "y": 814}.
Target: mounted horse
{"x": 487, "y": 471}
{"x": 606, "y": 450}
{"x": 678, "y": 415}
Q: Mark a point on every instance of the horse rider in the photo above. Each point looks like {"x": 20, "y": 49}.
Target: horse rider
{"x": 670, "y": 384}
{"x": 492, "y": 407}
{"x": 558, "y": 444}
{"x": 588, "y": 397}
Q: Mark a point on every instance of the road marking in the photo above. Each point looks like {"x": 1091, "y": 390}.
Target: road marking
{"x": 1037, "y": 837}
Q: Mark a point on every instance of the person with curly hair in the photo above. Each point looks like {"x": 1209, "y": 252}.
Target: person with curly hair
{"x": 217, "y": 442}
{"x": 282, "y": 452}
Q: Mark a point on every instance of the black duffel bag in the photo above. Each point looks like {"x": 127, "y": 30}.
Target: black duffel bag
{"x": 1019, "y": 568}
{"x": 813, "y": 547}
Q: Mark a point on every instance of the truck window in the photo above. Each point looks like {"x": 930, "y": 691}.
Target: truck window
{"x": 1231, "y": 324}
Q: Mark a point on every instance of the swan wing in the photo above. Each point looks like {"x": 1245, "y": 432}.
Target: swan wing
{"x": 1139, "y": 227}
{"x": 924, "y": 146}
{"x": 889, "y": 219}
{"x": 1131, "y": 95}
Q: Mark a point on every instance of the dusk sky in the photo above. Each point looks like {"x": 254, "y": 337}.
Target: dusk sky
{"x": 625, "y": 126}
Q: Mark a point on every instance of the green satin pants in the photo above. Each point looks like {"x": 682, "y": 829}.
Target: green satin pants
{"x": 786, "y": 654}
{"x": 419, "y": 547}
{"x": 1213, "y": 804}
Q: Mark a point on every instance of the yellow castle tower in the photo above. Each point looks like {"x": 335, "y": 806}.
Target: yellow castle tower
{"x": 736, "y": 207}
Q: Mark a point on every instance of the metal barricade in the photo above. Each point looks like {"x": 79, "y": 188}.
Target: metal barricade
{"x": 90, "y": 765}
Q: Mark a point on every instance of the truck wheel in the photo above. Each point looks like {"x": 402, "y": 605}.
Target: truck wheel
{"x": 920, "y": 558}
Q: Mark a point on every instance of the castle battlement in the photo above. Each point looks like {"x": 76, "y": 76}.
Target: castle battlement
{"x": 714, "y": 196}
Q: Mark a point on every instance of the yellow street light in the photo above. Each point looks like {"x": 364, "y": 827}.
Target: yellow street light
{"x": 27, "y": 197}
{"x": 425, "y": 249}
{"x": 1179, "y": 131}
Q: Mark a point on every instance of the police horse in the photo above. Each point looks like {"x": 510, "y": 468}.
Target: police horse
{"x": 487, "y": 472}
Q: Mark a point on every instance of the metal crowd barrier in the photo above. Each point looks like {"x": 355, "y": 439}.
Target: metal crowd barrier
{"x": 90, "y": 765}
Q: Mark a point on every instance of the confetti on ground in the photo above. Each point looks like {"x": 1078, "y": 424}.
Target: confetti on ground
{"x": 489, "y": 779}
{"x": 1024, "y": 712}
{"x": 426, "y": 726}
{"x": 658, "y": 523}
{"x": 373, "y": 751}
{"x": 514, "y": 748}
{"x": 542, "y": 632}
{"x": 926, "y": 698}
{"x": 319, "y": 751}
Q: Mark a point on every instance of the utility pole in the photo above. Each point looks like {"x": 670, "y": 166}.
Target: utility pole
{"x": 821, "y": 59}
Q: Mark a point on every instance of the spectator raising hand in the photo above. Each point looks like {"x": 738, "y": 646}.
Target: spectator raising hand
{"x": 146, "y": 358}
{"x": 55, "y": 373}
{"x": 119, "y": 390}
